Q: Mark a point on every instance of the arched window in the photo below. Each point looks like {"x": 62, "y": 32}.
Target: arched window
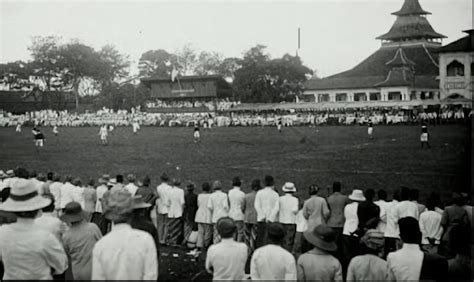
{"x": 455, "y": 68}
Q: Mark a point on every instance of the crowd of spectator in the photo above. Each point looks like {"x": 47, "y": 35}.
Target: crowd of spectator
{"x": 113, "y": 229}
{"x": 217, "y": 105}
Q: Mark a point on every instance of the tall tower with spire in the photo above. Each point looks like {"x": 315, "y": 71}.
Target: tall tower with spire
{"x": 411, "y": 26}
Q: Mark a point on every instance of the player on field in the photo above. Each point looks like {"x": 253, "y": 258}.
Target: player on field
{"x": 197, "y": 135}
{"x": 39, "y": 138}
{"x": 424, "y": 136}
{"x": 370, "y": 129}
{"x": 18, "y": 127}
{"x": 135, "y": 127}
{"x": 55, "y": 130}
{"x": 279, "y": 124}
{"x": 103, "y": 132}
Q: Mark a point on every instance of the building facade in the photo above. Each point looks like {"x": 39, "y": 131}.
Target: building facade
{"x": 404, "y": 68}
{"x": 456, "y": 68}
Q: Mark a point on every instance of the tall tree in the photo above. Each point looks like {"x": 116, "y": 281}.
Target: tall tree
{"x": 154, "y": 63}
{"x": 208, "y": 63}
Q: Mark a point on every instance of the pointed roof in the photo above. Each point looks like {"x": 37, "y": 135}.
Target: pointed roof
{"x": 400, "y": 59}
{"x": 410, "y": 24}
{"x": 411, "y": 7}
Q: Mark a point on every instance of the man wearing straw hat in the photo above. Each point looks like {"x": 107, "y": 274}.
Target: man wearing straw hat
{"x": 287, "y": 214}
{"x": 28, "y": 252}
{"x": 124, "y": 253}
{"x": 350, "y": 240}
{"x": 79, "y": 240}
{"x": 318, "y": 264}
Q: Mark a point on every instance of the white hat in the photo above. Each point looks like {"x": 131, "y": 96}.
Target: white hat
{"x": 357, "y": 195}
{"x": 24, "y": 197}
{"x": 10, "y": 172}
{"x": 289, "y": 187}
{"x": 3, "y": 174}
{"x": 112, "y": 182}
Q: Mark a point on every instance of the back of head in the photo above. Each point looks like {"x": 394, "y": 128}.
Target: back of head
{"x": 50, "y": 176}
{"x": 91, "y": 182}
{"x": 256, "y": 185}
{"x": 409, "y": 230}
{"x": 146, "y": 181}
{"x": 336, "y": 186}
{"x": 382, "y": 195}
{"x": 77, "y": 182}
{"x": 164, "y": 177}
{"x": 56, "y": 177}
{"x": 269, "y": 181}
{"x": 414, "y": 194}
{"x": 457, "y": 199}
{"x": 41, "y": 177}
{"x": 236, "y": 181}
{"x": 226, "y": 227}
{"x": 216, "y": 185}
{"x": 276, "y": 233}
{"x": 396, "y": 196}
{"x": 313, "y": 190}
{"x": 369, "y": 194}
{"x": 206, "y": 187}
{"x": 118, "y": 205}
{"x": 131, "y": 178}
{"x": 68, "y": 178}
{"x": 405, "y": 193}
{"x": 33, "y": 174}
{"x": 21, "y": 172}
{"x": 119, "y": 178}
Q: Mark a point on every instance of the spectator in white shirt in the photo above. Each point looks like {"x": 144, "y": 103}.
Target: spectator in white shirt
{"x": 163, "y": 208}
{"x": 175, "y": 213}
{"x": 55, "y": 190}
{"x": 226, "y": 260}
{"x": 391, "y": 234}
{"x": 48, "y": 221}
{"x": 414, "y": 197}
{"x": 264, "y": 266}
{"x": 382, "y": 204}
{"x": 131, "y": 187}
{"x": 267, "y": 205}
{"x": 78, "y": 192}
{"x": 350, "y": 240}
{"x": 431, "y": 229}
{"x": 124, "y": 253}
{"x": 203, "y": 218}
{"x": 406, "y": 207}
{"x": 301, "y": 226}
{"x": 236, "y": 211}
{"x": 38, "y": 180}
{"x": 218, "y": 205}
{"x": 67, "y": 191}
{"x": 287, "y": 214}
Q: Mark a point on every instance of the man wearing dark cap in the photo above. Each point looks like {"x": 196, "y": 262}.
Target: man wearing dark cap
{"x": 410, "y": 263}
{"x": 264, "y": 266}
{"x": 226, "y": 259}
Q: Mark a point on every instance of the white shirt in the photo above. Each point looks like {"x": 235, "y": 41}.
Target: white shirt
{"x": 383, "y": 215}
{"x": 236, "y": 200}
{"x": 39, "y": 185}
{"x": 406, "y": 209}
{"x": 391, "y": 229}
{"x": 405, "y": 264}
{"x": 203, "y": 214}
{"x": 265, "y": 266}
{"x": 55, "y": 189}
{"x": 78, "y": 196}
{"x": 67, "y": 192}
{"x": 51, "y": 224}
{"x": 226, "y": 260}
{"x": 125, "y": 254}
{"x": 288, "y": 209}
{"x": 430, "y": 226}
{"x": 267, "y": 204}
{"x": 100, "y": 191}
{"x": 131, "y": 188}
{"x": 218, "y": 204}
{"x": 352, "y": 221}
{"x": 301, "y": 222}
{"x": 28, "y": 252}
{"x": 175, "y": 202}
{"x": 162, "y": 201}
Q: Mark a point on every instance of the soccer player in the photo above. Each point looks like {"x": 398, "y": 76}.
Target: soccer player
{"x": 135, "y": 127}
{"x": 103, "y": 134}
{"x": 370, "y": 130}
{"x": 279, "y": 124}
{"x": 55, "y": 130}
{"x": 424, "y": 136}
{"x": 18, "y": 128}
{"x": 39, "y": 138}
{"x": 197, "y": 135}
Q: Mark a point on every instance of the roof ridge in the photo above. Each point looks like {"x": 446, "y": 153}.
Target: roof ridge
{"x": 429, "y": 55}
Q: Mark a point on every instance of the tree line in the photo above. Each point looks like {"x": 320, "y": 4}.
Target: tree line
{"x": 102, "y": 76}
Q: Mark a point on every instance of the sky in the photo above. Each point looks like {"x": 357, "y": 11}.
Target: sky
{"x": 335, "y": 34}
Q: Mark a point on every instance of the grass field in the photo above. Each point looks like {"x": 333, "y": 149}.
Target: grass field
{"x": 299, "y": 154}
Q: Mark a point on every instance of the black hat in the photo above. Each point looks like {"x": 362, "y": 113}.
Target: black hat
{"x": 73, "y": 213}
{"x": 236, "y": 181}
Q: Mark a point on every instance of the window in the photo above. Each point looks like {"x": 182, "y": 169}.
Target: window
{"x": 341, "y": 97}
{"x": 360, "y": 97}
{"x": 394, "y": 96}
{"x": 413, "y": 95}
{"x": 375, "y": 96}
{"x": 323, "y": 97}
{"x": 455, "y": 68}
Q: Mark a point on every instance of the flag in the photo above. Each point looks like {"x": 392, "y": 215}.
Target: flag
{"x": 174, "y": 74}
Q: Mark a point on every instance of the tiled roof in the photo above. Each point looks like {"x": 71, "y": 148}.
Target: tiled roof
{"x": 374, "y": 70}
{"x": 411, "y": 7}
{"x": 410, "y": 27}
{"x": 465, "y": 44}
{"x": 399, "y": 76}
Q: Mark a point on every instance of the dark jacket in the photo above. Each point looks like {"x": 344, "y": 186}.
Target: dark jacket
{"x": 434, "y": 267}
{"x": 190, "y": 206}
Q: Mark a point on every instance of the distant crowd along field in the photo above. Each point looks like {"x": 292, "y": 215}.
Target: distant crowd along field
{"x": 209, "y": 119}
